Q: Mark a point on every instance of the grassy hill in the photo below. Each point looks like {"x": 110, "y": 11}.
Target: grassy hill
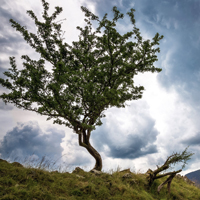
{"x": 18, "y": 182}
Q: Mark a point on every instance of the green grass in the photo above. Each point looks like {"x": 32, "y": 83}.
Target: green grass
{"x": 18, "y": 182}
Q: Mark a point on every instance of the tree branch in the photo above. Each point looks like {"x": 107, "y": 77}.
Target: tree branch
{"x": 169, "y": 173}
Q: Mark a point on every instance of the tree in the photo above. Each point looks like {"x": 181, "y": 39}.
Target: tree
{"x": 91, "y": 75}
{"x": 171, "y": 160}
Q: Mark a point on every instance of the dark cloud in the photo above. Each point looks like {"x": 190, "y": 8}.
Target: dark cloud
{"x": 135, "y": 147}
{"x": 28, "y": 139}
{"x": 180, "y": 49}
{"x": 134, "y": 140}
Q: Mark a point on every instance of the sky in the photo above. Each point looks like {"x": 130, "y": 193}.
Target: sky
{"x": 144, "y": 133}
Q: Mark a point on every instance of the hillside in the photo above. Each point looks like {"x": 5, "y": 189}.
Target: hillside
{"x": 18, "y": 182}
{"x": 194, "y": 176}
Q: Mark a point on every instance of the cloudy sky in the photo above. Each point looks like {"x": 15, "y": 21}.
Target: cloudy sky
{"x": 140, "y": 136}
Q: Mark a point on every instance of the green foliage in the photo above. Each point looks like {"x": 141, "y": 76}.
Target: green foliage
{"x": 17, "y": 182}
{"x": 179, "y": 157}
{"x": 94, "y": 73}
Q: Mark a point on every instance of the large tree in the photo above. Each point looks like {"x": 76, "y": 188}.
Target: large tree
{"x": 91, "y": 75}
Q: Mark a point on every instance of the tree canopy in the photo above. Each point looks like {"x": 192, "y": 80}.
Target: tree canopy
{"x": 87, "y": 77}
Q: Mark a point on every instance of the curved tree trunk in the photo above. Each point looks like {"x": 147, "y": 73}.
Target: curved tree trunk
{"x": 97, "y": 157}
{"x": 84, "y": 141}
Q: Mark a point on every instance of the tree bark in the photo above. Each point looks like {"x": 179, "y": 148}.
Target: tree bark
{"x": 97, "y": 157}
{"x": 152, "y": 175}
{"x": 168, "y": 182}
{"x": 84, "y": 141}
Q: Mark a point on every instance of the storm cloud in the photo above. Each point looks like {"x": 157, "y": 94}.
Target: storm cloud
{"x": 28, "y": 139}
{"x": 122, "y": 138}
